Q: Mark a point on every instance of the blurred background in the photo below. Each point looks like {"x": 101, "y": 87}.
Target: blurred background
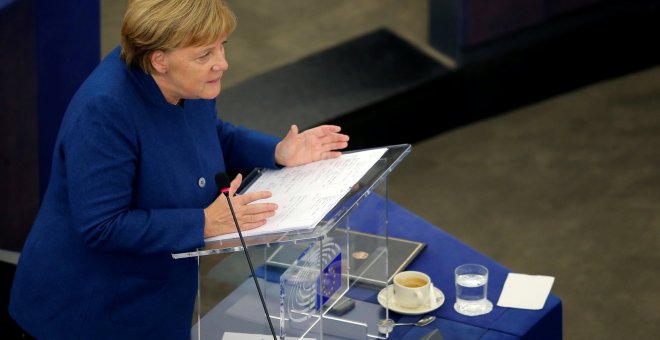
{"x": 535, "y": 124}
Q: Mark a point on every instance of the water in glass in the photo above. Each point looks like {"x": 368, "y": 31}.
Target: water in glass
{"x": 472, "y": 291}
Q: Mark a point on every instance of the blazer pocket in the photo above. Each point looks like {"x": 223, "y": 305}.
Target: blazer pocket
{"x": 140, "y": 302}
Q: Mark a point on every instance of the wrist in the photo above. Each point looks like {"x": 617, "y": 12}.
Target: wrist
{"x": 276, "y": 154}
{"x": 206, "y": 223}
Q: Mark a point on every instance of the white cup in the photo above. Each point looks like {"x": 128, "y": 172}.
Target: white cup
{"x": 412, "y": 289}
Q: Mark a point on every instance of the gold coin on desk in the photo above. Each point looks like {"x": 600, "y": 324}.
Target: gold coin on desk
{"x": 360, "y": 255}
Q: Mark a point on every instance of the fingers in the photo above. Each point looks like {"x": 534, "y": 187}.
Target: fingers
{"x": 325, "y": 133}
{"x": 335, "y": 141}
{"x": 314, "y": 144}
{"x": 293, "y": 130}
{"x": 292, "y": 133}
{"x": 250, "y": 197}
{"x": 235, "y": 184}
{"x": 252, "y": 221}
{"x": 337, "y": 145}
{"x": 256, "y": 215}
{"x": 330, "y": 144}
{"x": 330, "y": 128}
{"x": 218, "y": 218}
{"x": 323, "y": 130}
{"x": 258, "y": 208}
{"x": 330, "y": 154}
{"x": 328, "y": 133}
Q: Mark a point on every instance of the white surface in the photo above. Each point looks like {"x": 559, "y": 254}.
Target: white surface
{"x": 525, "y": 291}
{"x": 439, "y": 299}
{"x": 412, "y": 297}
{"x": 9, "y": 256}
{"x": 246, "y": 336}
{"x": 305, "y": 194}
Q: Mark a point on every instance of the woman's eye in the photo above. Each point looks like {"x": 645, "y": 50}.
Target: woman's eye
{"x": 205, "y": 55}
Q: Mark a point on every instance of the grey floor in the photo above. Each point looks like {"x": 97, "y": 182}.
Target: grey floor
{"x": 568, "y": 187}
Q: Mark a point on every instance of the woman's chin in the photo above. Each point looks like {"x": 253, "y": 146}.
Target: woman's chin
{"x": 210, "y": 94}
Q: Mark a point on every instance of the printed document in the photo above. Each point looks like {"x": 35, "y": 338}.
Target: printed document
{"x": 305, "y": 194}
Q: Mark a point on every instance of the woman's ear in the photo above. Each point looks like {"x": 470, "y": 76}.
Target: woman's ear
{"x": 159, "y": 61}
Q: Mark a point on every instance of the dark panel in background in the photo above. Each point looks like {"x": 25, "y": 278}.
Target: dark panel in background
{"x": 456, "y": 25}
{"x": 580, "y": 47}
{"x": 519, "y": 60}
{"x": 19, "y": 167}
{"x": 485, "y": 20}
{"x": 48, "y": 48}
{"x": 19, "y": 170}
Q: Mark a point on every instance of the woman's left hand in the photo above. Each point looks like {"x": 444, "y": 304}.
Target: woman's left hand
{"x": 310, "y": 145}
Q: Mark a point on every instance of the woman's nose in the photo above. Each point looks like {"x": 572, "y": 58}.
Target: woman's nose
{"x": 220, "y": 63}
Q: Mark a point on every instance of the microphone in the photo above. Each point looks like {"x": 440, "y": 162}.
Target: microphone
{"x": 223, "y": 184}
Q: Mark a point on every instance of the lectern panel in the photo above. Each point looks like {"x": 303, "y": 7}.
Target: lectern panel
{"x": 317, "y": 283}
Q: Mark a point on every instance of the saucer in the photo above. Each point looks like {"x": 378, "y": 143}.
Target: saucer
{"x": 382, "y": 300}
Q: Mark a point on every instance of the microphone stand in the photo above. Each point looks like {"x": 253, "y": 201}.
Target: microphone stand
{"x": 247, "y": 256}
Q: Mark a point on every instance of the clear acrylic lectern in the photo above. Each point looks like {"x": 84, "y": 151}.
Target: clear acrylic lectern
{"x": 323, "y": 282}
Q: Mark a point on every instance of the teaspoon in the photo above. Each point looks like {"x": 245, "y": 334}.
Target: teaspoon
{"x": 386, "y": 326}
{"x": 421, "y": 322}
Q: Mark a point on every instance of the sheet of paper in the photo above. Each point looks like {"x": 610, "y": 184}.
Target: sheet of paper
{"x": 306, "y": 193}
{"x": 248, "y": 336}
{"x": 525, "y": 291}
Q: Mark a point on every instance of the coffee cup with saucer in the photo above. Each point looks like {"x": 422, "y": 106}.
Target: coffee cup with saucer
{"x": 411, "y": 293}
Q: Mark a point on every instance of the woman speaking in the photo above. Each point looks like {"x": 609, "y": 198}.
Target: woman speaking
{"x": 133, "y": 182}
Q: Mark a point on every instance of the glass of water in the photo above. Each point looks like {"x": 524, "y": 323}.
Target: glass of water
{"x": 472, "y": 290}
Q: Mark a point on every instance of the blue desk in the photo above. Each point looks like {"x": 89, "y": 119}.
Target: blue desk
{"x": 438, "y": 260}
{"x": 442, "y": 254}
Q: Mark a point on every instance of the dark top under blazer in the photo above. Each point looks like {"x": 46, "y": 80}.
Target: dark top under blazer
{"x": 125, "y": 192}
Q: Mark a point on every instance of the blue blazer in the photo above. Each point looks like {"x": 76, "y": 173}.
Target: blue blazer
{"x": 131, "y": 175}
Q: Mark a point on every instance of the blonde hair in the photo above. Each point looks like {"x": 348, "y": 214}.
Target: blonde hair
{"x": 153, "y": 25}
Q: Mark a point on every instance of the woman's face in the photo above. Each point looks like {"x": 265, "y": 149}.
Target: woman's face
{"x": 191, "y": 72}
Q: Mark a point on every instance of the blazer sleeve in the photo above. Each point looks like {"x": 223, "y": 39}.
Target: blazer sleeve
{"x": 101, "y": 155}
{"x": 245, "y": 149}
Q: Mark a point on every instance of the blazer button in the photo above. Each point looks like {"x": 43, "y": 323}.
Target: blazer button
{"x": 201, "y": 182}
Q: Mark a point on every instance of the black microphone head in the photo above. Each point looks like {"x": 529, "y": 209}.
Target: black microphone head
{"x": 222, "y": 181}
